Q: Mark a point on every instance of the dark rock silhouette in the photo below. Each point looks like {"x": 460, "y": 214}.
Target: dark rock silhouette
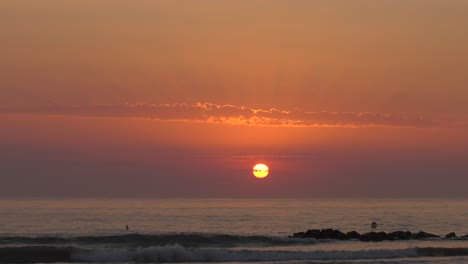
{"x": 333, "y": 234}
{"x": 451, "y": 235}
{"x": 422, "y": 235}
{"x": 298, "y": 235}
{"x": 313, "y": 233}
{"x": 374, "y": 236}
{"x": 353, "y": 235}
{"x": 370, "y": 237}
{"x": 400, "y": 235}
{"x": 321, "y": 234}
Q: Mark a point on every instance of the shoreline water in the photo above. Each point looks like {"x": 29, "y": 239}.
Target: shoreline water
{"x": 176, "y": 253}
{"x": 225, "y": 230}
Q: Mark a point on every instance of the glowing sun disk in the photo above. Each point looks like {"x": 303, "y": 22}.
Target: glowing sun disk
{"x": 260, "y": 170}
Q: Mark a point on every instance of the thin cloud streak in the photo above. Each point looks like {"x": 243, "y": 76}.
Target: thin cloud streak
{"x": 233, "y": 115}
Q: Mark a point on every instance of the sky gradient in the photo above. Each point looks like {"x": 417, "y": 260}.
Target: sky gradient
{"x": 181, "y": 98}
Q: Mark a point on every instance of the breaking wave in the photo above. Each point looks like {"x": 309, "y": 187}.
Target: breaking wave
{"x": 145, "y": 240}
{"x": 177, "y": 253}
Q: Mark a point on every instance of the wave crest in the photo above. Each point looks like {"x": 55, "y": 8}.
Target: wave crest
{"x": 177, "y": 253}
{"x": 144, "y": 240}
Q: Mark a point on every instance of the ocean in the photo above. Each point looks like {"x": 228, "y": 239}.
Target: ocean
{"x": 227, "y": 230}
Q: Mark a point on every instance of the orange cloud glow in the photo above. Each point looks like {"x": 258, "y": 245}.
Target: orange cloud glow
{"x": 234, "y": 115}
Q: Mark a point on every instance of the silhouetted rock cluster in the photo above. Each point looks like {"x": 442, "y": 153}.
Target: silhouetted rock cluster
{"x": 371, "y": 236}
{"x": 451, "y": 235}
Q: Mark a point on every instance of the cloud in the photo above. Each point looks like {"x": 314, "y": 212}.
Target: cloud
{"x": 233, "y": 115}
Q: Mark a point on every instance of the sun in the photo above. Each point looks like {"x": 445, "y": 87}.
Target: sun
{"x": 260, "y": 170}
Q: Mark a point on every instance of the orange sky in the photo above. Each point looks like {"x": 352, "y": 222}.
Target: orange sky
{"x": 382, "y": 82}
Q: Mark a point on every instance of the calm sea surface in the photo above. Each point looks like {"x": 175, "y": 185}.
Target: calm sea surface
{"x": 227, "y": 230}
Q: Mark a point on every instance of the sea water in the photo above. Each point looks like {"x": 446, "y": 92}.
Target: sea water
{"x": 227, "y": 230}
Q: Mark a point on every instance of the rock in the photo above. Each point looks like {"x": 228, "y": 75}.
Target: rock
{"x": 321, "y": 234}
{"x": 451, "y": 235}
{"x": 400, "y": 235}
{"x": 423, "y": 235}
{"x": 465, "y": 236}
{"x": 314, "y": 233}
{"x": 299, "y": 235}
{"x": 353, "y": 235}
{"x": 326, "y": 233}
{"x": 374, "y": 236}
{"x": 340, "y": 235}
{"x": 332, "y": 234}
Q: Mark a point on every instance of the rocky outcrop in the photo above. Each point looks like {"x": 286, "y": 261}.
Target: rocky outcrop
{"x": 353, "y": 235}
{"x": 423, "y": 235}
{"x": 321, "y": 234}
{"x": 374, "y": 236}
{"x": 371, "y": 236}
{"x": 450, "y": 235}
{"x": 400, "y": 235}
{"x": 332, "y": 234}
